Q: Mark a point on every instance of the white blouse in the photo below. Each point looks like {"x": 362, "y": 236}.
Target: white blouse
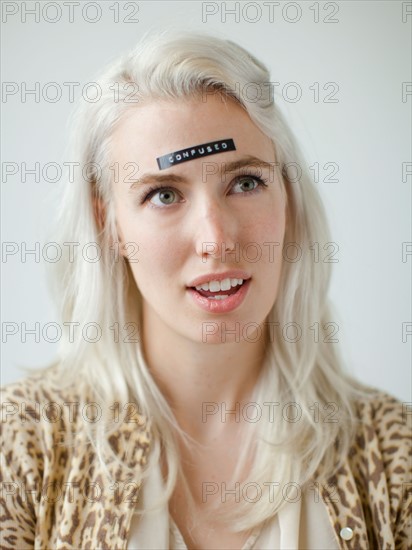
{"x": 301, "y": 524}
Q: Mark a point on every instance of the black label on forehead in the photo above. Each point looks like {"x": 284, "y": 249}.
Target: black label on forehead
{"x": 195, "y": 152}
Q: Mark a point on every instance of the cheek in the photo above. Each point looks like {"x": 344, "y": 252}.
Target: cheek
{"x": 267, "y": 225}
{"x": 158, "y": 258}
{"x": 265, "y": 241}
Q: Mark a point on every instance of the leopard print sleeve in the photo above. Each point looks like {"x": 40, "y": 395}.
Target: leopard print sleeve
{"x": 21, "y": 469}
{"x": 392, "y": 421}
{"x": 381, "y": 461}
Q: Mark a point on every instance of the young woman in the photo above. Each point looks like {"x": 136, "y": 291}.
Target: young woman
{"x": 199, "y": 400}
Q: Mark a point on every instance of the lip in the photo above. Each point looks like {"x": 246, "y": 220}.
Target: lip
{"x": 221, "y": 306}
{"x": 233, "y": 274}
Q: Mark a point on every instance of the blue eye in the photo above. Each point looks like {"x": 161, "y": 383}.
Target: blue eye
{"x": 164, "y": 195}
{"x": 251, "y": 183}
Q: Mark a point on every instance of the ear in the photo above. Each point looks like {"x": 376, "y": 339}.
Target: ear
{"x": 284, "y": 182}
{"x": 99, "y": 212}
{"x": 121, "y": 242}
{"x": 100, "y": 216}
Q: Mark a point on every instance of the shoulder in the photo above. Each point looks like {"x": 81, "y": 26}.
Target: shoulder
{"x": 45, "y": 430}
{"x": 49, "y": 404}
{"x": 39, "y": 399}
{"x": 33, "y": 419}
{"x": 39, "y": 384}
{"x": 386, "y": 421}
{"x": 44, "y": 419}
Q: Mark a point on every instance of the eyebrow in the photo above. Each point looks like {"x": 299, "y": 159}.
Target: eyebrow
{"x": 170, "y": 179}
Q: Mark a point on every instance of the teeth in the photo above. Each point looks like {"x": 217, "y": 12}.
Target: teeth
{"x": 217, "y": 286}
{"x": 214, "y": 286}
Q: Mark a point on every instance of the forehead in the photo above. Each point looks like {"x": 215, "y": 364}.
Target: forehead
{"x": 157, "y": 128}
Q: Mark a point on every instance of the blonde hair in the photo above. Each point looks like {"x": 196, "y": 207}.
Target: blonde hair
{"x": 306, "y": 372}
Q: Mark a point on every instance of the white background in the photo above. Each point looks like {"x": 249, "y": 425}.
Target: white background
{"x": 367, "y": 133}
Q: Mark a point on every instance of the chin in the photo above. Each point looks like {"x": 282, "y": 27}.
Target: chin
{"x": 224, "y": 331}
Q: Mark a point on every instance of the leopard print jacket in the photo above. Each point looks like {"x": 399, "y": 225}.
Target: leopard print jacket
{"x": 56, "y": 495}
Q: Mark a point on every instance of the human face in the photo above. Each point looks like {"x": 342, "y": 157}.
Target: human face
{"x": 203, "y": 223}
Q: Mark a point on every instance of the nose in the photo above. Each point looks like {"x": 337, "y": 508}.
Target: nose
{"x": 215, "y": 230}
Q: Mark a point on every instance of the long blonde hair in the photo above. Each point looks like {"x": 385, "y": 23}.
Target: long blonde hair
{"x": 305, "y": 371}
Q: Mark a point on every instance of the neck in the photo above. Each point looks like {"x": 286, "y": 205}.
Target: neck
{"x": 202, "y": 382}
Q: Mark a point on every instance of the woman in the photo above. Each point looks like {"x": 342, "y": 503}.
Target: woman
{"x": 200, "y": 400}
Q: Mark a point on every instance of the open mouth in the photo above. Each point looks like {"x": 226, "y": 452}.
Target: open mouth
{"x": 220, "y": 296}
{"x": 219, "y": 290}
